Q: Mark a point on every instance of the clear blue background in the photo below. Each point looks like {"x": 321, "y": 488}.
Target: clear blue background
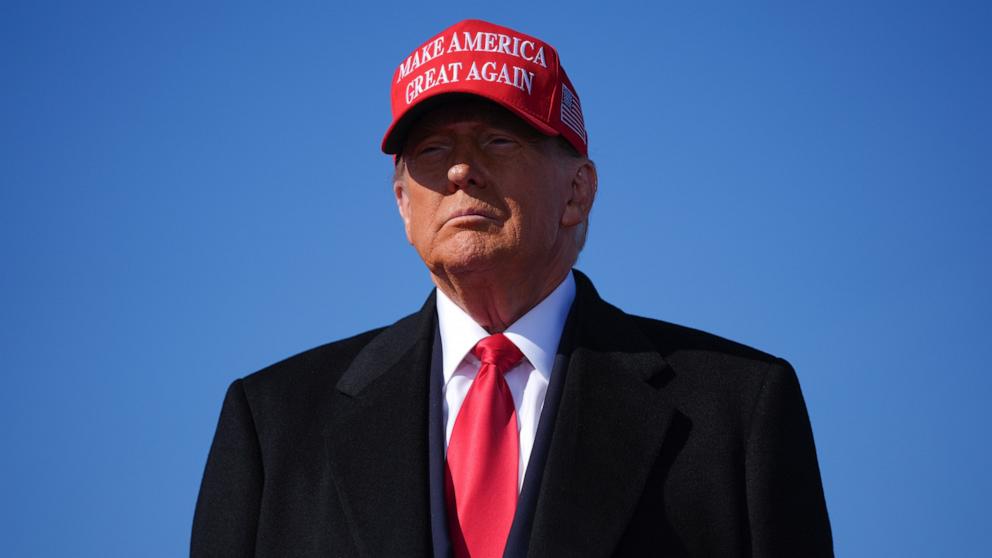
{"x": 191, "y": 191}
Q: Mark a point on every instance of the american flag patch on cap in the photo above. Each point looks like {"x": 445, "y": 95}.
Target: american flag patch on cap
{"x": 571, "y": 112}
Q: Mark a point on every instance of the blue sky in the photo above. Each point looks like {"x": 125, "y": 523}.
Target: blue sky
{"x": 191, "y": 191}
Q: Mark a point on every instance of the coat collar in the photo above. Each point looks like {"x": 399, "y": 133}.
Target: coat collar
{"x": 376, "y": 439}
{"x": 611, "y": 422}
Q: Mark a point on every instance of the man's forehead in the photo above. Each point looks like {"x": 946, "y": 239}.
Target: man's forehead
{"x": 469, "y": 110}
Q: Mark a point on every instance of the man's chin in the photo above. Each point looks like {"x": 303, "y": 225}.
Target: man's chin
{"x": 462, "y": 258}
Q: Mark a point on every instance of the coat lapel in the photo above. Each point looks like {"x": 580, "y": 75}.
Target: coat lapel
{"x": 611, "y": 422}
{"x": 376, "y": 439}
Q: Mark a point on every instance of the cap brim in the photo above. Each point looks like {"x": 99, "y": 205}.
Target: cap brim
{"x": 392, "y": 142}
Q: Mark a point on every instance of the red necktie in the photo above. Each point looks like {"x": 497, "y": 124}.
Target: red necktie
{"x": 483, "y": 455}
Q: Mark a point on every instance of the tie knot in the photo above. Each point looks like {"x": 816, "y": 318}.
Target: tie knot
{"x": 498, "y": 351}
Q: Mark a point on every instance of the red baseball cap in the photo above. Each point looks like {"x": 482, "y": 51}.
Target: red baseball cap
{"x": 519, "y": 72}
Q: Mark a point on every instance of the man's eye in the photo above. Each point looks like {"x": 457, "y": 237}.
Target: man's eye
{"x": 501, "y": 141}
{"x": 429, "y": 150}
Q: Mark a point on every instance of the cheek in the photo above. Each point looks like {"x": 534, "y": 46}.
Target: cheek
{"x": 544, "y": 210}
{"x": 423, "y": 211}
{"x": 537, "y": 222}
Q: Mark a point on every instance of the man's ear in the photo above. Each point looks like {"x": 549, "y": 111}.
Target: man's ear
{"x": 583, "y": 194}
{"x": 403, "y": 205}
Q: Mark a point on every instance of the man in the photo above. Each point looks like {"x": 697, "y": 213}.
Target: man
{"x": 517, "y": 413}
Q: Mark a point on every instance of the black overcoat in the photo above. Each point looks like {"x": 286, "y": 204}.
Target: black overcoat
{"x": 666, "y": 441}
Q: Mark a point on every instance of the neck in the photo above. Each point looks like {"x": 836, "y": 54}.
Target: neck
{"x": 497, "y": 299}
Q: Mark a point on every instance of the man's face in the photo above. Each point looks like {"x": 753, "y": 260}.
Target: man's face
{"x": 479, "y": 189}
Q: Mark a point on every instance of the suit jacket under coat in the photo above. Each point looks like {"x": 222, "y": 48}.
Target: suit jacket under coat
{"x": 668, "y": 442}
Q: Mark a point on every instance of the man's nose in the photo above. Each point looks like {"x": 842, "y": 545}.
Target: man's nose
{"x": 461, "y": 176}
{"x": 465, "y": 170}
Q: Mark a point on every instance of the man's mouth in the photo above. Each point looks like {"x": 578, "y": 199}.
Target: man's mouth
{"x": 470, "y": 214}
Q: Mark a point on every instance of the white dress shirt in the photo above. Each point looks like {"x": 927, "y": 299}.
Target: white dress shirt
{"x": 536, "y": 334}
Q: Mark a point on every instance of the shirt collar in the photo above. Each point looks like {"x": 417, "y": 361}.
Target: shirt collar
{"x": 536, "y": 333}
